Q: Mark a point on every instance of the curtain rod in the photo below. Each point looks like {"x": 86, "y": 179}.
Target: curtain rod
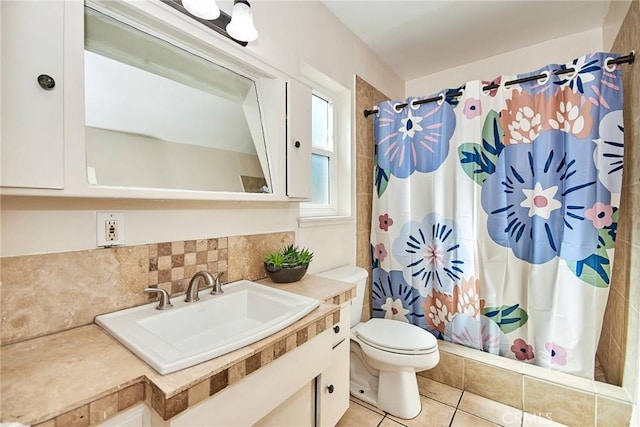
{"x": 627, "y": 59}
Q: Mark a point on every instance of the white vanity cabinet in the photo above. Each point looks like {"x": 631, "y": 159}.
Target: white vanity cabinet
{"x": 249, "y": 401}
{"x": 332, "y": 393}
{"x": 298, "y": 153}
{"x": 32, "y": 108}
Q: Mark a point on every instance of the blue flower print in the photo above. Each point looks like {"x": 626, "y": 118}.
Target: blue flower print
{"x": 393, "y": 298}
{"x": 537, "y": 197}
{"x": 609, "y": 155}
{"x": 415, "y": 138}
{"x": 590, "y": 80}
{"x": 584, "y": 68}
{"x": 430, "y": 254}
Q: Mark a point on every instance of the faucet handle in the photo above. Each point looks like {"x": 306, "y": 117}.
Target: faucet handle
{"x": 165, "y": 300}
{"x": 217, "y": 286}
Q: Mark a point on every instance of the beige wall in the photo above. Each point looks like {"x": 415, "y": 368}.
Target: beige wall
{"x": 560, "y": 50}
{"x": 613, "y": 21}
{"x": 619, "y": 342}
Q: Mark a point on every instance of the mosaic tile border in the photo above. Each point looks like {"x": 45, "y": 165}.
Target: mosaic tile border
{"x": 170, "y": 406}
{"x": 173, "y": 264}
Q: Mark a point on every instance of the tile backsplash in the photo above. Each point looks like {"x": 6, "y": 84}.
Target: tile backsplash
{"x": 48, "y": 293}
{"x": 173, "y": 264}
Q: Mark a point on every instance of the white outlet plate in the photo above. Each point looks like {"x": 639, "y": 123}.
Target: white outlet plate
{"x": 103, "y": 221}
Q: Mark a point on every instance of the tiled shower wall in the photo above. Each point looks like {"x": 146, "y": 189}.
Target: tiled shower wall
{"x": 619, "y": 348}
{"x": 44, "y": 294}
{"x": 366, "y": 97}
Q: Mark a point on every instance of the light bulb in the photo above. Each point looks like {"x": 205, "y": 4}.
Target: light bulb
{"x": 205, "y": 9}
{"x": 241, "y": 25}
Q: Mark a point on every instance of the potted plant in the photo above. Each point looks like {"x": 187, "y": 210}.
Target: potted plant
{"x": 288, "y": 264}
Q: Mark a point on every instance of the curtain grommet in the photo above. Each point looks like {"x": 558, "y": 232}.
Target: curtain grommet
{"x": 571, "y": 74}
{"x": 545, "y": 79}
{"x": 395, "y": 107}
{"x": 609, "y": 67}
{"x": 414, "y": 106}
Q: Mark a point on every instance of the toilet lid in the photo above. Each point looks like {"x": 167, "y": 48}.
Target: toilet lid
{"x": 396, "y": 336}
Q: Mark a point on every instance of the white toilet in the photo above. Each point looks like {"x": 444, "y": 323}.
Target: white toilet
{"x": 385, "y": 354}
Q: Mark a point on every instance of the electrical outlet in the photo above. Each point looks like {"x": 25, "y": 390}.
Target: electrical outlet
{"x": 109, "y": 229}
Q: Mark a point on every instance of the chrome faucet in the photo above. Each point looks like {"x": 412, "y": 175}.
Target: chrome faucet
{"x": 217, "y": 285}
{"x": 211, "y": 281}
{"x": 165, "y": 300}
{"x": 192, "y": 291}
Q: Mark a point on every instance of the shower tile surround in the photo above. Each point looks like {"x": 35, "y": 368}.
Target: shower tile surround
{"x": 561, "y": 397}
{"x": 366, "y": 97}
{"x": 619, "y": 346}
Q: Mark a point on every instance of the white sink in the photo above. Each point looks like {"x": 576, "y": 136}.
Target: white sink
{"x": 191, "y": 333}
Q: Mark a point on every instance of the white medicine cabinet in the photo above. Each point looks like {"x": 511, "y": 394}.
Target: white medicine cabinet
{"x": 134, "y": 99}
{"x": 32, "y": 131}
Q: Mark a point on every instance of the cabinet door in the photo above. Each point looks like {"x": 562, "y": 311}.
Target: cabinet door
{"x": 32, "y": 121}
{"x": 298, "y": 140}
{"x": 333, "y": 387}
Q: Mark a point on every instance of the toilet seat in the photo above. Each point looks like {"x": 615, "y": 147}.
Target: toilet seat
{"x": 396, "y": 337}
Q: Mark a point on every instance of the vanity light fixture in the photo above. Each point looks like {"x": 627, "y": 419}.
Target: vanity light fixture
{"x": 238, "y": 27}
{"x": 241, "y": 26}
{"x": 205, "y": 9}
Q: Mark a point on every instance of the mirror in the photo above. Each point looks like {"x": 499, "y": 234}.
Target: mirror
{"x": 158, "y": 116}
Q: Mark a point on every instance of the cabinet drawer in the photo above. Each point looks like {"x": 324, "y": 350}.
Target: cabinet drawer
{"x": 333, "y": 387}
{"x": 341, "y": 330}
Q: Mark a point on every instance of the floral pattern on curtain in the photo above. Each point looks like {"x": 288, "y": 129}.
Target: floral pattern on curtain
{"x": 495, "y": 213}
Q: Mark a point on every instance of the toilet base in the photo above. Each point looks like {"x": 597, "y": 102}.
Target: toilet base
{"x": 363, "y": 382}
{"x": 398, "y": 393}
{"x": 393, "y": 392}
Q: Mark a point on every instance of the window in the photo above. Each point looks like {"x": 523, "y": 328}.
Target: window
{"x": 323, "y": 155}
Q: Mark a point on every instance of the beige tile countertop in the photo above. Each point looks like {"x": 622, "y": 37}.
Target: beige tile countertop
{"x": 83, "y": 376}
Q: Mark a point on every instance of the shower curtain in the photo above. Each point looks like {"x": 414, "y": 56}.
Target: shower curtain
{"x": 495, "y": 212}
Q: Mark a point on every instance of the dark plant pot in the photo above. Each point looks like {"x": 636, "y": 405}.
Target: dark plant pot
{"x": 286, "y": 275}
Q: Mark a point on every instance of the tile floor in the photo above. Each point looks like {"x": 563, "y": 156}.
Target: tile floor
{"x": 444, "y": 406}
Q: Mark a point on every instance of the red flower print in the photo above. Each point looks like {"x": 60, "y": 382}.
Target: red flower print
{"x": 380, "y": 252}
{"x": 522, "y": 350}
{"x": 385, "y": 222}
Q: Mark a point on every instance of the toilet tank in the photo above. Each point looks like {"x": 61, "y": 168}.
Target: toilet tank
{"x": 355, "y": 275}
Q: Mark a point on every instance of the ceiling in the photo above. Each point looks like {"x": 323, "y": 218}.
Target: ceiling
{"x": 421, "y": 37}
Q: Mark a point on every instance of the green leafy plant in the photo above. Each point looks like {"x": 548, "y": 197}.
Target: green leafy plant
{"x": 288, "y": 257}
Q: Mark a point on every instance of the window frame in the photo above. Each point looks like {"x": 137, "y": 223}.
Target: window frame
{"x": 340, "y": 208}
